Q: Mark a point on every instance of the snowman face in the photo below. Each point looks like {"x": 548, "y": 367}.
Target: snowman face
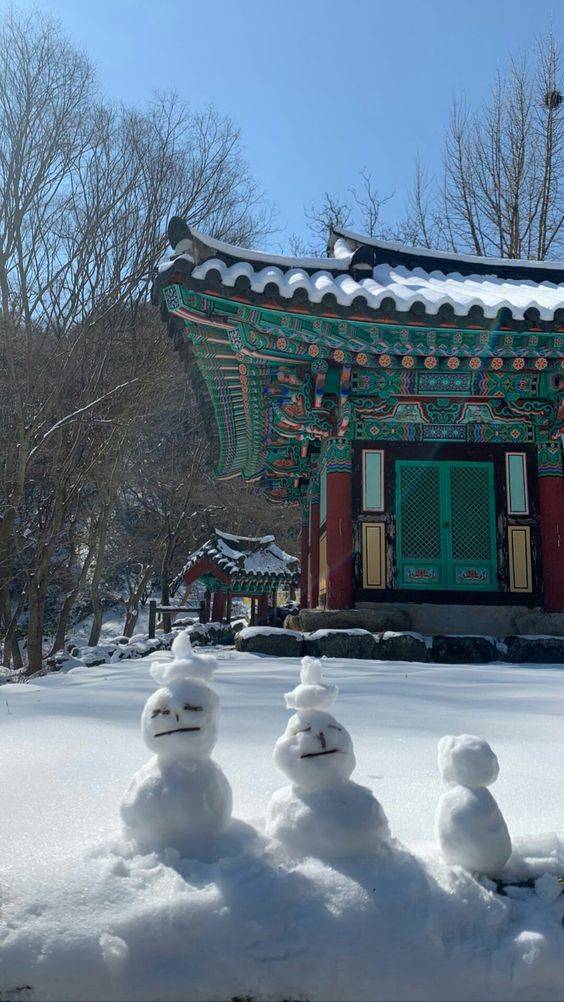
{"x": 315, "y": 751}
{"x": 180, "y": 720}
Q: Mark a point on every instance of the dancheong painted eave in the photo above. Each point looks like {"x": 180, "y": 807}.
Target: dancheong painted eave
{"x": 367, "y": 275}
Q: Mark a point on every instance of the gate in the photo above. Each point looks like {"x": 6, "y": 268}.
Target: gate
{"x": 445, "y": 514}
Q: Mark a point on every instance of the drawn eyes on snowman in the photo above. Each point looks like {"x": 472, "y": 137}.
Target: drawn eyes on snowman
{"x": 166, "y": 712}
{"x": 306, "y": 730}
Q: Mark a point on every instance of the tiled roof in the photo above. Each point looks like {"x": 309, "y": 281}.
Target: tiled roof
{"x": 366, "y": 273}
{"x": 246, "y": 556}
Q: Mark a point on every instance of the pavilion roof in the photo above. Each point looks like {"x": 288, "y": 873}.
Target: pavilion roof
{"x": 366, "y": 274}
{"x": 257, "y": 558}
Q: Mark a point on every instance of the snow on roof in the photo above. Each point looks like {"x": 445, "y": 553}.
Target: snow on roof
{"x": 374, "y": 271}
{"x": 245, "y": 556}
{"x": 404, "y": 286}
{"x": 390, "y": 248}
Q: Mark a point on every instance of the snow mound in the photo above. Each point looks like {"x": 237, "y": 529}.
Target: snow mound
{"x": 468, "y": 760}
{"x": 185, "y": 664}
{"x": 312, "y": 693}
{"x": 247, "y": 923}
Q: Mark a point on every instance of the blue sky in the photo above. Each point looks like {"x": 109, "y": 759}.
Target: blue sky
{"x": 319, "y": 88}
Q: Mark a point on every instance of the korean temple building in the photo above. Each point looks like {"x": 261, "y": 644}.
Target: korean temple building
{"x": 410, "y": 402}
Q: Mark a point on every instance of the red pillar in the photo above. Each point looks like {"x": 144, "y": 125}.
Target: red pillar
{"x": 551, "y": 497}
{"x": 207, "y": 606}
{"x": 262, "y": 610}
{"x": 314, "y": 555}
{"x": 339, "y": 526}
{"x": 304, "y": 557}
{"x": 218, "y": 606}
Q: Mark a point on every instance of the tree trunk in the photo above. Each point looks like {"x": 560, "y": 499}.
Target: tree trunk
{"x": 11, "y": 644}
{"x": 11, "y": 647}
{"x": 62, "y": 625}
{"x": 132, "y": 604}
{"x": 96, "y": 627}
{"x": 165, "y": 588}
{"x": 35, "y": 630}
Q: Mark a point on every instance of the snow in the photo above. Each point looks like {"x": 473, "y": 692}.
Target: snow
{"x": 466, "y": 759}
{"x": 405, "y": 286}
{"x": 179, "y": 799}
{"x": 322, "y": 813}
{"x": 262, "y": 631}
{"x": 247, "y": 555}
{"x": 471, "y": 831}
{"x": 84, "y": 916}
{"x": 312, "y": 693}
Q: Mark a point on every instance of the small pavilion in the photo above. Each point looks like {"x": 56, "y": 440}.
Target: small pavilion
{"x": 243, "y": 566}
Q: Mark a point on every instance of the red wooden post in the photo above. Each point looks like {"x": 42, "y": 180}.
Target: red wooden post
{"x": 207, "y": 606}
{"x": 304, "y": 557}
{"x": 217, "y": 607}
{"x": 339, "y": 525}
{"x": 262, "y": 607}
{"x": 551, "y": 497}
{"x": 314, "y": 553}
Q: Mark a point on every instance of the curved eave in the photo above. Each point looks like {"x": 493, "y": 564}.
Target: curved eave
{"x": 415, "y": 294}
{"x": 388, "y": 252}
{"x": 235, "y": 398}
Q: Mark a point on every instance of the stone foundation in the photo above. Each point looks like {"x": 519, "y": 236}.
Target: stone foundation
{"x": 437, "y": 619}
{"x": 390, "y": 646}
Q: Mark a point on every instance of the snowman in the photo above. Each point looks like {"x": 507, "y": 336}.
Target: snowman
{"x": 323, "y": 813}
{"x": 180, "y": 797}
{"x": 470, "y": 826}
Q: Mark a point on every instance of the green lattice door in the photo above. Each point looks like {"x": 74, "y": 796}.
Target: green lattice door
{"x": 446, "y": 525}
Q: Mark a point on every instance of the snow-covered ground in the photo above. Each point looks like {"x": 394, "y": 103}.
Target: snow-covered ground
{"x": 82, "y": 917}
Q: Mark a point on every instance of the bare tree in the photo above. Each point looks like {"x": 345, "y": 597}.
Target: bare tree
{"x": 501, "y": 192}
{"x": 360, "y": 209}
{"x": 85, "y": 194}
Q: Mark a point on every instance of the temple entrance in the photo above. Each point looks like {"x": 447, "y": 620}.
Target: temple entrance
{"x": 445, "y": 515}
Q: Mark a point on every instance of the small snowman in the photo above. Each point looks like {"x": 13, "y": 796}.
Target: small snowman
{"x": 180, "y": 797}
{"x": 470, "y": 827}
{"x": 323, "y": 813}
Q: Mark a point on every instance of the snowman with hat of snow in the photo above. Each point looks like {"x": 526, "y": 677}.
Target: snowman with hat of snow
{"x": 180, "y": 798}
{"x": 322, "y": 813}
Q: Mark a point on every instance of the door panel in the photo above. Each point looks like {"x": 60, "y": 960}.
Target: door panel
{"x": 470, "y": 542}
{"x": 419, "y": 535}
{"x": 446, "y": 525}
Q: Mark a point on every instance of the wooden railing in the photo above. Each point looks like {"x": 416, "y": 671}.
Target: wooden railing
{"x": 168, "y": 611}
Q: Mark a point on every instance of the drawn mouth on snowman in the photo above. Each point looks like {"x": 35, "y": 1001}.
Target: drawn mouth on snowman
{"x": 316, "y": 754}
{"x": 177, "y": 730}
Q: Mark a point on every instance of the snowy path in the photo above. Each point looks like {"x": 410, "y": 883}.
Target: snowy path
{"x": 70, "y": 743}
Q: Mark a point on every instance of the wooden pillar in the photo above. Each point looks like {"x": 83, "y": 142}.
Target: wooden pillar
{"x": 218, "y": 607}
{"x": 207, "y": 606}
{"x": 228, "y": 605}
{"x": 304, "y": 558}
{"x": 262, "y": 607}
{"x": 274, "y": 604}
{"x": 152, "y": 618}
{"x": 253, "y": 611}
{"x": 551, "y": 498}
{"x": 313, "y": 590}
{"x": 339, "y": 525}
